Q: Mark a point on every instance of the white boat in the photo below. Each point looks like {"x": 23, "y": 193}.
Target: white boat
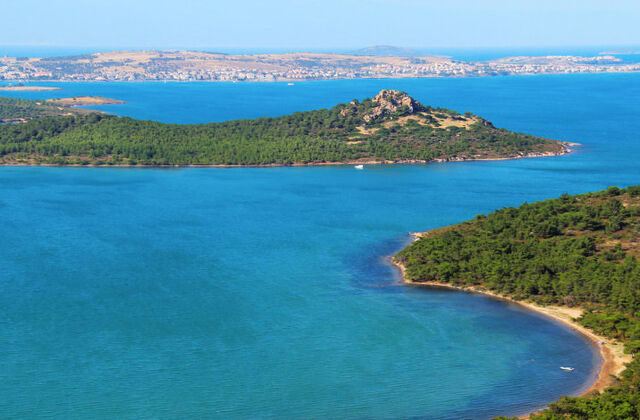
{"x": 566, "y": 368}
{"x": 359, "y": 166}
{"x": 289, "y": 84}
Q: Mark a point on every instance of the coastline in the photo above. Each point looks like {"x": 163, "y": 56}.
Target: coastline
{"x": 84, "y": 100}
{"x": 566, "y": 149}
{"x": 28, "y": 88}
{"x": 323, "y": 79}
{"x": 614, "y": 359}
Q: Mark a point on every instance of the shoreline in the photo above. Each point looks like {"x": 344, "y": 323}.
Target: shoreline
{"x": 614, "y": 359}
{"x": 566, "y": 149}
{"x": 28, "y": 88}
{"x": 83, "y": 100}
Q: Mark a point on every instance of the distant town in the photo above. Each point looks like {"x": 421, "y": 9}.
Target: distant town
{"x": 205, "y": 66}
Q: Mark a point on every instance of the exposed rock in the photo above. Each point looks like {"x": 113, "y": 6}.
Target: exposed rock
{"x": 485, "y": 122}
{"x": 390, "y": 101}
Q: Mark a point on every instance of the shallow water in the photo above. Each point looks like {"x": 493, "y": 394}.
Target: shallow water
{"x": 263, "y": 293}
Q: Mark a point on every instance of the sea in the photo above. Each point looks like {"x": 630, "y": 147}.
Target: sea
{"x": 266, "y": 293}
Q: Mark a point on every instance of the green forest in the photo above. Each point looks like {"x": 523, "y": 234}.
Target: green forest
{"x": 574, "y": 250}
{"x": 20, "y": 110}
{"x": 391, "y": 128}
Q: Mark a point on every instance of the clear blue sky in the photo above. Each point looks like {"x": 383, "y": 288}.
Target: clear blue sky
{"x": 319, "y": 23}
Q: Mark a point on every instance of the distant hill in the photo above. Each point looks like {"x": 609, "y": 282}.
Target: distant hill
{"x": 386, "y": 51}
{"x": 390, "y": 128}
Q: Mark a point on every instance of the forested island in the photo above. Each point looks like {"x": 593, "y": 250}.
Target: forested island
{"x": 578, "y": 251}
{"x": 392, "y": 127}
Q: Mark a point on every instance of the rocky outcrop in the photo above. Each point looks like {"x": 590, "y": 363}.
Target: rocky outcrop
{"x": 388, "y": 102}
{"x": 485, "y": 122}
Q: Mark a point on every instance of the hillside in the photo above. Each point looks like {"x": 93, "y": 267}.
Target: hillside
{"x": 13, "y": 110}
{"x": 572, "y": 251}
{"x": 392, "y": 127}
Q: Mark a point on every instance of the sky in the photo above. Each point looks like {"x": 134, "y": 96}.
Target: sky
{"x": 317, "y": 24}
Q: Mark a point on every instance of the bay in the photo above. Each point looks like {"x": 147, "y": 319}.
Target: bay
{"x": 263, "y": 292}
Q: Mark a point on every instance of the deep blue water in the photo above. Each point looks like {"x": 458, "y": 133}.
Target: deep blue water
{"x": 263, "y": 293}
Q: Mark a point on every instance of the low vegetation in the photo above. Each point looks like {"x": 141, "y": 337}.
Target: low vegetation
{"x": 574, "y": 250}
{"x": 13, "y": 110}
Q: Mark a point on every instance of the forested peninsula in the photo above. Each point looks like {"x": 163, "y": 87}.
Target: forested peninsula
{"x": 14, "y": 111}
{"x": 392, "y": 127}
{"x": 577, "y": 251}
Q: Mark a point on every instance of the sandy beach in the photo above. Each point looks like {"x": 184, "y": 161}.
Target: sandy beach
{"x": 611, "y": 351}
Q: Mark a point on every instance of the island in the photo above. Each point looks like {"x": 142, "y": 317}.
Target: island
{"x": 373, "y": 62}
{"x": 392, "y": 127}
{"x": 574, "y": 258}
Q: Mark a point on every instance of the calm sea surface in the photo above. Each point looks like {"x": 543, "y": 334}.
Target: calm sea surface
{"x": 263, "y": 293}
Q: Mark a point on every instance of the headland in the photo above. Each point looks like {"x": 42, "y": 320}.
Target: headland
{"x": 573, "y": 258}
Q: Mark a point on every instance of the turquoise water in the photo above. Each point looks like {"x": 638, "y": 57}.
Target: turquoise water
{"x": 263, "y": 293}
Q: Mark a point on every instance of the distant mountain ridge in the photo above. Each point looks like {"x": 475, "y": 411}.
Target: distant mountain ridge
{"x": 386, "y": 51}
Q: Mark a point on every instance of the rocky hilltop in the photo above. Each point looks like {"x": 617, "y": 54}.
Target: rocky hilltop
{"x": 393, "y": 108}
{"x": 387, "y": 104}
{"x": 392, "y": 102}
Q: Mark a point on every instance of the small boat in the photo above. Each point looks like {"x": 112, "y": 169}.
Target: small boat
{"x": 289, "y": 84}
{"x": 566, "y": 368}
{"x": 359, "y": 166}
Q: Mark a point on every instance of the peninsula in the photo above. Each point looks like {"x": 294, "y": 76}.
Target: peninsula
{"x": 373, "y": 62}
{"x": 83, "y": 101}
{"x": 22, "y": 88}
{"x": 392, "y": 127}
{"x": 574, "y": 258}
{"x": 13, "y": 110}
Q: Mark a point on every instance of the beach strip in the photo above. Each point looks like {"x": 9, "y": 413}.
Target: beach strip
{"x": 611, "y": 351}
